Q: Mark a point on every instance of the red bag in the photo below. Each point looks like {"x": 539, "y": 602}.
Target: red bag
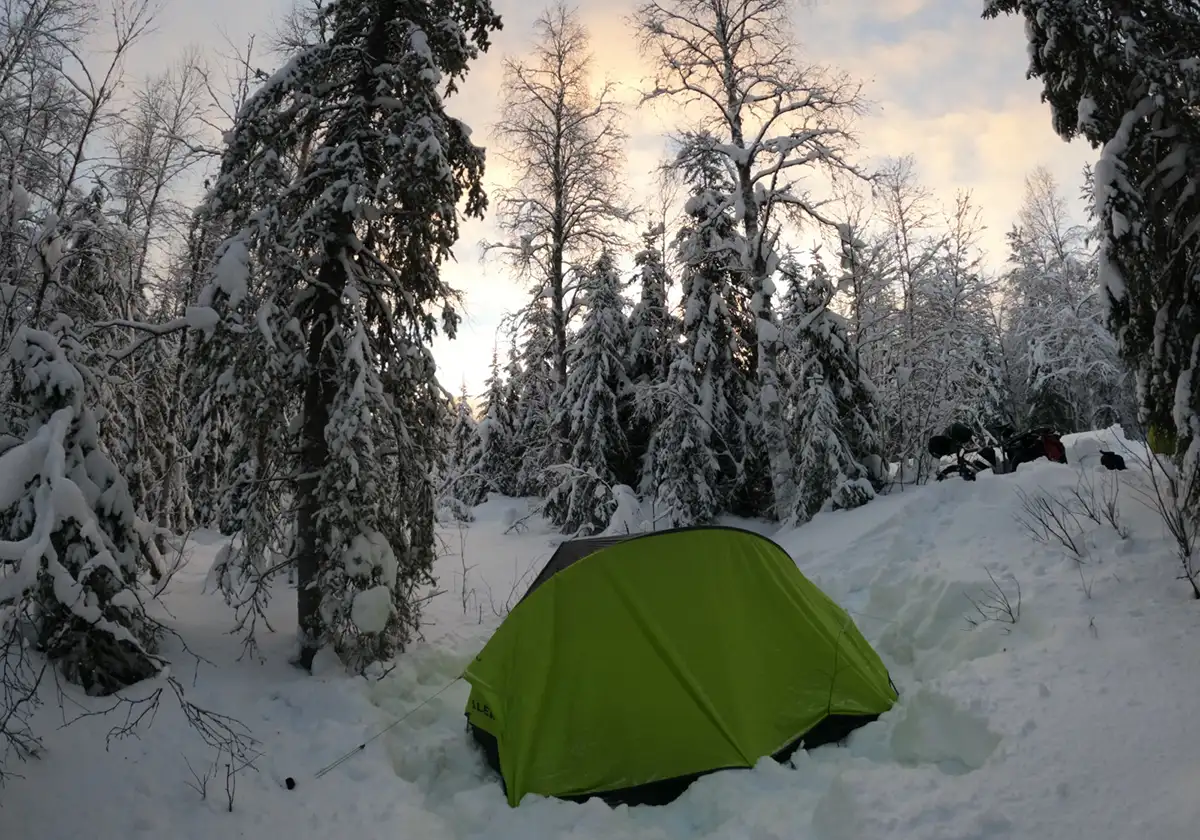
{"x": 1055, "y": 451}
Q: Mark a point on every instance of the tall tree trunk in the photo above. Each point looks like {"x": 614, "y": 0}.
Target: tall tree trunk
{"x": 319, "y": 389}
{"x": 766, "y": 351}
{"x": 558, "y": 313}
{"x": 558, "y": 292}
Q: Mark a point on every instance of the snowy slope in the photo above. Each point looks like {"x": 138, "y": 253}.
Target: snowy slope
{"x": 1076, "y": 722}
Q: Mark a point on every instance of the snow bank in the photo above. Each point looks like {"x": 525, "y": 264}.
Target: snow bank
{"x": 1084, "y": 449}
{"x": 1076, "y": 721}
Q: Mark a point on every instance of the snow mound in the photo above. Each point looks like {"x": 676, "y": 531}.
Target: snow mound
{"x": 368, "y": 554}
{"x": 372, "y": 609}
{"x": 934, "y": 730}
{"x": 1084, "y": 449}
{"x": 627, "y": 517}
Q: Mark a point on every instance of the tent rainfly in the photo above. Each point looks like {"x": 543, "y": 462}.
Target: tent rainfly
{"x": 634, "y": 665}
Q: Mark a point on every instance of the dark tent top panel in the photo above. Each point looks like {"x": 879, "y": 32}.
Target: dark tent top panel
{"x": 572, "y": 551}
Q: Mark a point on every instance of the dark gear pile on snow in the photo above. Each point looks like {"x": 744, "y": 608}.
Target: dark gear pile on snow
{"x": 969, "y": 459}
{"x": 1029, "y": 446}
{"x": 1015, "y": 449}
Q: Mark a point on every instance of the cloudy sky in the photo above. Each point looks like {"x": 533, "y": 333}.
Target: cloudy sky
{"x": 946, "y": 87}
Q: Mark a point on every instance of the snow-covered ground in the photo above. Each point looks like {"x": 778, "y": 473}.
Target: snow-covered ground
{"x": 1077, "y": 721}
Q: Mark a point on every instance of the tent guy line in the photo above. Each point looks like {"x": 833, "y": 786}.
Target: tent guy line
{"x": 358, "y": 749}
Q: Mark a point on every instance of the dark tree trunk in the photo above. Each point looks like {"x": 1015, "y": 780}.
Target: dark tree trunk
{"x": 319, "y": 389}
{"x": 558, "y": 312}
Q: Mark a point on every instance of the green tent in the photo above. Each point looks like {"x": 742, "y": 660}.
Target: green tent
{"x": 634, "y": 665}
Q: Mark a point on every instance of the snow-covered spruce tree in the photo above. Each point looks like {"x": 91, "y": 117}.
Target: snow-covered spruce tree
{"x": 748, "y": 492}
{"x": 514, "y": 375}
{"x": 463, "y": 486}
{"x": 241, "y": 396}
{"x": 682, "y": 474}
{"x": 774, "y": 120}
{"x": 581, "y": 499}
{"x": 207, "y": 433}
{"x": 990, "y": 403}
{"x": 69, "y": 534}
{"x": 698, "y": 449}
{"x": 343, "y": 173}
{"x": 833, "y": 416}
{"x": 166, "y": 497}
{"x": 1124, "y": 76}
{"x": 531, "y": 384}
{"x": 497, "y": 465}
{"x": 712, "y": 243}
{"x": 653, "y": 336}
{"x": 190, "y": 470}
{"x": 652, "y": 325}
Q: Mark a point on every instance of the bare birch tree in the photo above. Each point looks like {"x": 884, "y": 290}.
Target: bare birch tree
{"x": 566, "y": 146}
{"x": 733, "y": 66}
{"x": 154, "y": 148}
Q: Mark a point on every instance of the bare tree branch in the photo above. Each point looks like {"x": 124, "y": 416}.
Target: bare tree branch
{"x": 565, "y": 144}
